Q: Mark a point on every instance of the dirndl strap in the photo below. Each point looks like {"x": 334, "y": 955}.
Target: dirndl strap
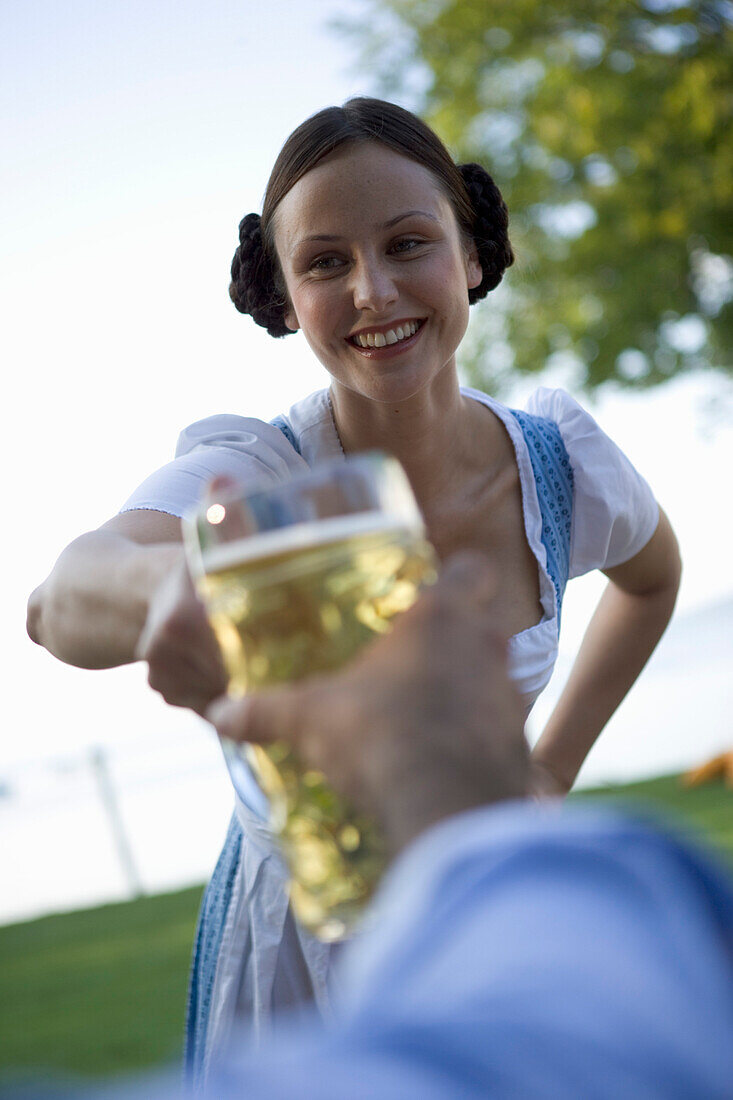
{"x": 553, "y": 477}
{"x": 281, "y": 423}
{"x": 209, "y": 931}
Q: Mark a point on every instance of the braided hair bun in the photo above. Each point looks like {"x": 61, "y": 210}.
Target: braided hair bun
{"x": 491, "y": 221}
{"x": 253, "y": 288}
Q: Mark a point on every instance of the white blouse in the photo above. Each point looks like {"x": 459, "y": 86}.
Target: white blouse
{"x": 614, "y": 511}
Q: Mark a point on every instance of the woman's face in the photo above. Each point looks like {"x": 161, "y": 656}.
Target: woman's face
{"x": 376, "y": 271}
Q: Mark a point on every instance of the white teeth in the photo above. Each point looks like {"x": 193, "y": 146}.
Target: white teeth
{"x": 381, "y": 339}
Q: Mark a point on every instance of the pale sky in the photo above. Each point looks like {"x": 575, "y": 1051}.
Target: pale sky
{"x": 135, "y": 136}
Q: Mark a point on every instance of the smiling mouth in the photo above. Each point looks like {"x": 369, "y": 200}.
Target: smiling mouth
{"x": 397, "y": 335}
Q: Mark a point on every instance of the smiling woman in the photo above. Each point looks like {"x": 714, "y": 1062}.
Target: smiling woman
{"x": 373, "y": 243}
{"x": 351, "y": 290}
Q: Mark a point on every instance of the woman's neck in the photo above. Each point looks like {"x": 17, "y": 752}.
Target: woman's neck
{"x": 437, "y": 434}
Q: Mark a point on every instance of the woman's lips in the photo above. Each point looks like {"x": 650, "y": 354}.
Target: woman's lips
{"x": 389, "y": 351}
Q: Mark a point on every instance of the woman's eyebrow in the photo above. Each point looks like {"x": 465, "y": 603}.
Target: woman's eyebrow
{"x": 386, "y": 225}
{"x": 330, "y": 238}
{"x": 409, "y": 214}
{"x": 319, "y": 237}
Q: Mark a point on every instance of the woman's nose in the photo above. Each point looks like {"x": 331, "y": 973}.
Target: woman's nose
{"x": 373, "y": 287}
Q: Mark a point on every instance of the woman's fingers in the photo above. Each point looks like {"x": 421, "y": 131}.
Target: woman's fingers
{"x": 178, "y": 644}
{"x": 183, "y": 678}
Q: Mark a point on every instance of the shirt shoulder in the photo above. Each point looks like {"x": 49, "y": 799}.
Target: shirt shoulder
{"x": 312, "y": 424}
{"x": 614, "y": 509}
{"x": 251, "y": 451}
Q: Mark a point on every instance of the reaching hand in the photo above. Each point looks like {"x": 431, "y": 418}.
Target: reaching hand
{"x": 422, "y": 724}
{"x": 184, "y": 660}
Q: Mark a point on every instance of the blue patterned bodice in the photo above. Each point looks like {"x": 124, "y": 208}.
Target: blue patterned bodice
{"x": 553, "y": 476}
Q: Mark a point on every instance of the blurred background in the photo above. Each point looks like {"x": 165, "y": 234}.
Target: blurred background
{"x": 135, "y": 137}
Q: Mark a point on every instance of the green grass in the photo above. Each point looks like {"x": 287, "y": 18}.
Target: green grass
{"x": 103, "y": 991}
{"x": 706, "y": 811}
{"x": 97, "y": 992}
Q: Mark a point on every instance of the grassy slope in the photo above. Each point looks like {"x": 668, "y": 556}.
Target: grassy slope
{"x": 103, "y": 991}
{"x": 99, "y": 991}
{"x": 706, "y": 811}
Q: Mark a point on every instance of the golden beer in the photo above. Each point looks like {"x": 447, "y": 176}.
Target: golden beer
{"x": 289, "y": 603}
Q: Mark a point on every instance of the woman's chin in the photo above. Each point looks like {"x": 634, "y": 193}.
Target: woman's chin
{"x": 395, "y": 386}
{"x": 384, "y": 391}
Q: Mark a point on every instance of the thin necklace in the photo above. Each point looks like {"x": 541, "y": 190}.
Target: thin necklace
{"x": 335, "y": 425}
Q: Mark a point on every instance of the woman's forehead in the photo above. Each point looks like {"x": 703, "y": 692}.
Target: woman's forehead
{"x": 365, "y": 183}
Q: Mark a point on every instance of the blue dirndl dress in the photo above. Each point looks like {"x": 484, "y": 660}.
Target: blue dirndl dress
{"x": 553, "y": 477}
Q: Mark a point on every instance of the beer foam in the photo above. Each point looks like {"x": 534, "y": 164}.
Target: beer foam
{"x": 302, "y": 536}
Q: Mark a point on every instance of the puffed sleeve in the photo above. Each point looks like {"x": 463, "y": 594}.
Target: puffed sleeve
{"x": 614, "y": 510}
{"x": 252, "y": 451}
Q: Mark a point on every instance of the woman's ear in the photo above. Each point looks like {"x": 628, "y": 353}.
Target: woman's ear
{"x": 474, "y": 271}
{"x": 291, "y": 320}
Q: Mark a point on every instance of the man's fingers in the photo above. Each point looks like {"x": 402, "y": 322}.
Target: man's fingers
{"x": 230, "y": 717}
{"x": 465, "y": 590}
{"x": 278, "y": 714}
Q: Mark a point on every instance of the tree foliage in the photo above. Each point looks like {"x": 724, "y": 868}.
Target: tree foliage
{"x": 607, "y": 125}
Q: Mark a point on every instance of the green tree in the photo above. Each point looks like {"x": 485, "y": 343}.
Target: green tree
{"x": 607, "y": 125}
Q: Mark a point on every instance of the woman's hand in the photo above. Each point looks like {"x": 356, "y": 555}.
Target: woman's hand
{"x": 543, "y": 781}
{"x": 183, "y": 656}
{"x": 89, "y": 612}
{"x": 123, "y": 593}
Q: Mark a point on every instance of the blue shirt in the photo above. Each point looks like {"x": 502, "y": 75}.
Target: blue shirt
{"x": 523, "y": 951}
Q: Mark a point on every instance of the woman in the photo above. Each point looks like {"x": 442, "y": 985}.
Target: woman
{"x": 373, "y": 243}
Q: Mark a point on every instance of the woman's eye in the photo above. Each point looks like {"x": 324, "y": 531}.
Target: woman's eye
{"x": 406, "y": 244}
{"x": 325, "y": 263}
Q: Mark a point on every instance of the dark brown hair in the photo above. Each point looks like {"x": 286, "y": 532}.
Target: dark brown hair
{"x": 257, "y": 285}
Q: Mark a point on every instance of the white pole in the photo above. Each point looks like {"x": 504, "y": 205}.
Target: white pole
{"x": 98, "y": 760}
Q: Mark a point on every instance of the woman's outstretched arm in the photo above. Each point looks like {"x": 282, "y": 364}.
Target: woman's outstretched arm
{"x": 91, "y": 609}
{"x": 123, "y": 593}
{"x": 628, "y": 622}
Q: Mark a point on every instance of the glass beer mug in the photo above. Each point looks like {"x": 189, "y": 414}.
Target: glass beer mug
{"x": 296, "y": 579}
